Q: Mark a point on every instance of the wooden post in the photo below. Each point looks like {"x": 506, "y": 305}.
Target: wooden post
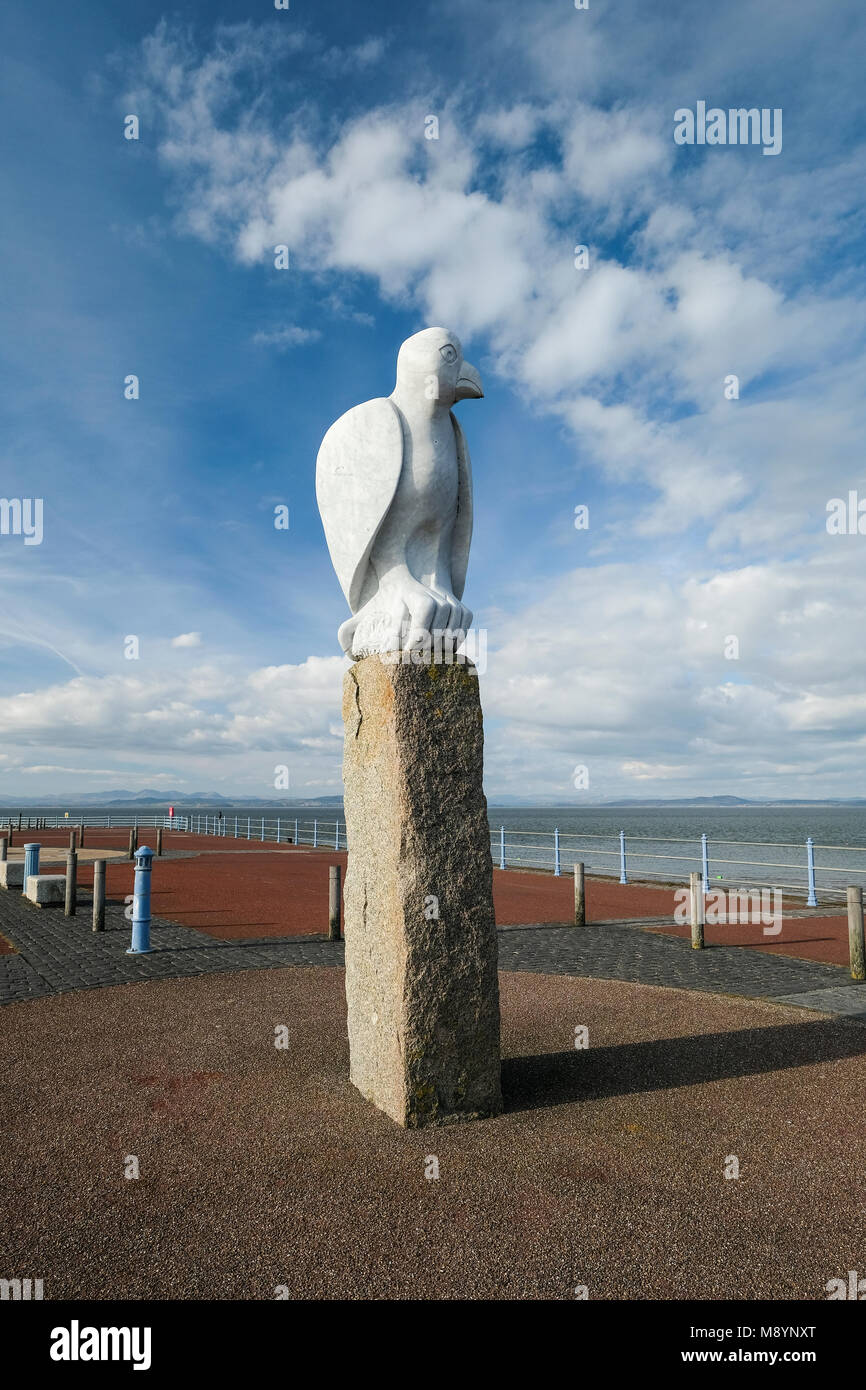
{"x": 697, "y": 902}
{"x": 72, "y": 840}
{"x": 159, "y": 840}
{"x": 579, "y": 896}
{"x": 855, "y": 934}
{"x": 99, "y": 895}
{"x": 4, "y": 849}
{"x": 334, "y": 903}
{"x": 131, "y": 851}
{"x": 71, "y": 883}
{"x": 81, "y": 835}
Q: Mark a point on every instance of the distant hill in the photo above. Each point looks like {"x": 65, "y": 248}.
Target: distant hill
{"x": 150, "y": 796}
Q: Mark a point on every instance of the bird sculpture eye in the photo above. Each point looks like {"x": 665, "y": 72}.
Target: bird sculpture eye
{"x": 448, "y": 353}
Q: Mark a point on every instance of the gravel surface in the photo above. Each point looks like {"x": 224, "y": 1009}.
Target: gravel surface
{"x": 263, "y": 1167}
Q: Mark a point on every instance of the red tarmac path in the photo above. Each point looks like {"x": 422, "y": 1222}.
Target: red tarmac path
{"x": 246, "y": 889}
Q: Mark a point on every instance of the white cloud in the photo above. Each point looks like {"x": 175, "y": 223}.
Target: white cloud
{"x": 289, "y": 336}
{"x": 697, "y": 270}
{"x": 187, "y": 639}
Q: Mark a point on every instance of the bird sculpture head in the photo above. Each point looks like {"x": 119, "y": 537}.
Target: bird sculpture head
{"x": 430, "y": 364}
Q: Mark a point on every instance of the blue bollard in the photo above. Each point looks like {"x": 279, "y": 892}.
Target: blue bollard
{"x": 623, "y": 877}
{"x": 31, "y": 863}
{"x": 812, "y": 900}
{"x": 141, "y": 903}
{"x": 705, "y": 864}
{"x": 557, "y": 867}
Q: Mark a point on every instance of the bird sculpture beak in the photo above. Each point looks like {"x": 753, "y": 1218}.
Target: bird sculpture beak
{"x": 468, "y": 383}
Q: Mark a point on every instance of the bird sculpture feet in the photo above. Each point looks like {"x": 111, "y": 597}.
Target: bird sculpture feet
{"x": 413, "y": 618}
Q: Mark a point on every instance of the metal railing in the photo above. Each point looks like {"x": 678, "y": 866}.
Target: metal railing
{"x": 277, "y": 830}
{"x": 802, "y": 868}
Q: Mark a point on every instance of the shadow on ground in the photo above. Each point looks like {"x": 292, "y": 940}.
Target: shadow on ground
{"x": 661, "y": 1064}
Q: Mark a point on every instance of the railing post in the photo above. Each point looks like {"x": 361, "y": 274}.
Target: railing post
{"x": 236, "y": 827}
{"x": 336, "y": 835}
{"x": 502, "y": 846}
{"x": 623, "y": 877}
{"x": 579, "y": 896}
{"x": 71, "y": 883}
{"x": 315, "y": 834}
{"x": 557, "y": 867}
{"x": 140, "y": 945}
{"x": 296, "y": 830}
{"x": 697, "y": 905}
{"x": 856, "y": 952}
{"x": 812, "y": 900}
{"x": 334, "y": 903}
{"x": 278, "y": 830}
{"x": 705, "y": 863}
{"x": 99, "y": 895}
{"x": 263, "y": 829}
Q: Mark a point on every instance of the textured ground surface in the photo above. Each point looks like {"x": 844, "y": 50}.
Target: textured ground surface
{"x": 55, "y": 953}
{"x": 262, "y": 1167}
{"x": 239, "y": 889}
{"x": 809, "y": 937}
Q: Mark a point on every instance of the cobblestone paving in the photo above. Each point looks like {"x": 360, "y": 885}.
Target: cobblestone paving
{"x": 55, "y": 954}
{"x": 622, "y": 951}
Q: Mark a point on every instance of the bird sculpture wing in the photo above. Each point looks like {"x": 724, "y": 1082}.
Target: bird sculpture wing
{"x": 357, "y": 472}
{"x": 463, "y": 523}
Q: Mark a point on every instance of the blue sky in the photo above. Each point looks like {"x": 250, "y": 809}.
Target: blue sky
{"x": 607, "y": 647}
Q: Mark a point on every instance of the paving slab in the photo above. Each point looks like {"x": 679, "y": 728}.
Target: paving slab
{"x": 849, "y": 1000}
{"x": 54, "y": 953}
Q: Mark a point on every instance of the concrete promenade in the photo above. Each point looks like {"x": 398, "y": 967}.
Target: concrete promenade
{"x": 261, "y": 1170}
{"x": 48, "y": 953}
